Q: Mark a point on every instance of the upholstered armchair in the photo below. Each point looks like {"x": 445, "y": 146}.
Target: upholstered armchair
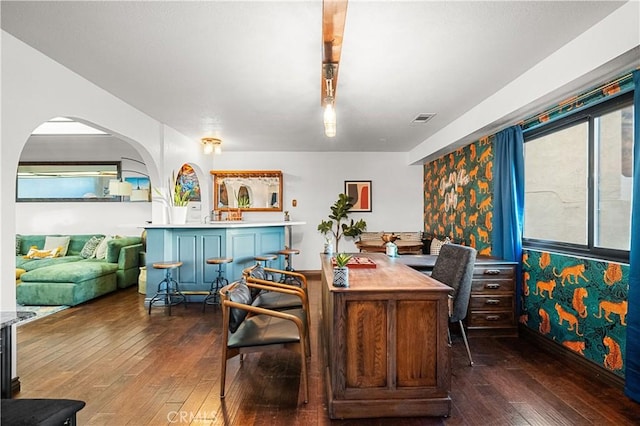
{"x": 249, "y": 328}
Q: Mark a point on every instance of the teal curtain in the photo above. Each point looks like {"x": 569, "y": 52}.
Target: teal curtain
{"x": 632, "y": 358}
{"x": 508, "y": 198}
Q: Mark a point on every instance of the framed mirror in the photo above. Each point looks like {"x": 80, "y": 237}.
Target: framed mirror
{"x": 250, "y": 190}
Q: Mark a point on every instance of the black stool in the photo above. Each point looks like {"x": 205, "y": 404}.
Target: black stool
{"x": 168, "y": 290}
{"x": 49, "y": 412}
{"x": 220, "y": 281}
{"x": 287, "y": 279}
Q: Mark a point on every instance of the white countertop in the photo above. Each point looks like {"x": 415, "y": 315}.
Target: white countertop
{"x": 222, "y": 224}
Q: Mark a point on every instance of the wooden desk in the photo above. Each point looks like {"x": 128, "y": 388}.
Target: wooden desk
{"x": 386, "y": 352}
{"x": 378, "y": 246}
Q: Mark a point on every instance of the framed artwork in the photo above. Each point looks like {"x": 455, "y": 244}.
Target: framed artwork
{"x": 360, "y": 193}
{"x": 188, "y": 178}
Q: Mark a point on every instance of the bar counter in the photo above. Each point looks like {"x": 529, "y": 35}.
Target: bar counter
{"x": 384, "y": 341}
{"x": 193, "y": 243}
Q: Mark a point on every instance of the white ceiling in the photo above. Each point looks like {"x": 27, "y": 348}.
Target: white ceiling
{"x": 250, "y": 71}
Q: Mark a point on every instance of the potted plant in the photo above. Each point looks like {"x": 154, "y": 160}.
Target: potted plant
{"x": 244, "y": 202}
{"x": 339, "y": 213}
{"x": 176, "y": 199}
{"x": 341, "y": 271}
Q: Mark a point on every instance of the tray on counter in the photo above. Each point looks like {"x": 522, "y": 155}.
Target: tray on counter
{"x": 357, "y": 262}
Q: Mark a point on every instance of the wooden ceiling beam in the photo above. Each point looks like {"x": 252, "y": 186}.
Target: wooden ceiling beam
{"x": 334, "y": 14}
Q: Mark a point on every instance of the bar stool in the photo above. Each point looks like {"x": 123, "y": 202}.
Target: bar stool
{"x": 288, "y": 253}
{"x": 220, "y": 281}
{"x": 266, "y": 258}
{"x": 168, "y": 290}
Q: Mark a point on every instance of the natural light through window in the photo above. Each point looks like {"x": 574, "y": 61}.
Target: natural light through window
{"x": 65, "y": 126}
{"x": 578, "y": 182}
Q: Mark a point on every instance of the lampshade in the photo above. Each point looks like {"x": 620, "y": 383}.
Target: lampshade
{"x": 118, "y": 188}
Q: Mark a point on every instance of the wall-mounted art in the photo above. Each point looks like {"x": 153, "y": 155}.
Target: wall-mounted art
{"x": 188, "y": 179}
{"x": 360, "y": 193}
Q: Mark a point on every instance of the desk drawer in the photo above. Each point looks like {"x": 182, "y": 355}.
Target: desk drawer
{"x": 493, "y": 271}
{"x": 486, "y": 319}
{"x": 492, "y": 286}
{"x": 491, "y": 302}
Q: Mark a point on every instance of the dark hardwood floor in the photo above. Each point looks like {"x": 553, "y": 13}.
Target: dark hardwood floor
{"x": 136, "y": 369}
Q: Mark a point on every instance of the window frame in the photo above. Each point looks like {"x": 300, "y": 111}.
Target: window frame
{"x": 116, "y": 164}
{"x": 586, "y": 115}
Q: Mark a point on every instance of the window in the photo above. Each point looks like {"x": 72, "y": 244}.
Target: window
{"x": 66, "y": 181}
{"x": 578, "y": 182}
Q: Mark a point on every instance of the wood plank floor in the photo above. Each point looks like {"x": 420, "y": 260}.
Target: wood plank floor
{"x": 136, "y": 369}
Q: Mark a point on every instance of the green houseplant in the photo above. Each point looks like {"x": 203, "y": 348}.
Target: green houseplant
{"x": 339, "y": 213}
{"x": 342, "y": 259}
{"x": 243, "y": 202}
{"x": 341, "y": 271}
{"x": 175, "y": 198}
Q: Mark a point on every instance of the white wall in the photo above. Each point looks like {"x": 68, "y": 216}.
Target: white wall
{"x": 315, "y": 180}
{"x": 36, "y": 89}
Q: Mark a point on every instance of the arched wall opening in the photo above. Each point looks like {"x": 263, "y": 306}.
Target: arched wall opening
{"x": 64, "y": 217}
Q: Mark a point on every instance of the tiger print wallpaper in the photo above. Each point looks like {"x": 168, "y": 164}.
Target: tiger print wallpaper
{"x": 458, "y": 190}
{"x": 579, "y": 303}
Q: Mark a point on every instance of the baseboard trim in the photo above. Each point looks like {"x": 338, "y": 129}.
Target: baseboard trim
{"x": 570, "y": 358}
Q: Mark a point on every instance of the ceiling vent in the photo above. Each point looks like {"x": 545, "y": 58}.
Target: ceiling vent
{"x": 423, "y": 118}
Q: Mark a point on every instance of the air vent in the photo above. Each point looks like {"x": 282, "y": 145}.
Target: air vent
{"x": 423, "y": 118}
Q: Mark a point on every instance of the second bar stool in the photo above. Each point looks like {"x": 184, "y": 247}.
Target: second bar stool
{"x": 168, "y": 290}
{"x": 288, "y": 253}
{"x": 266, "y": 258}
{"x": 213, "y": 298}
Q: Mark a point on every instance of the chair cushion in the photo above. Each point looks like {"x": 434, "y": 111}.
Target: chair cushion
{"x": 277, "y": 301}
{"x": 239, "y": 293}
{"x": 436, "y": 245}
{"x": 260, "y": 330}
{"x": 35, "y": 253}
{"x": 258, "y": 272}
{"x": 60, "y": 243}
{"x": 89, "y": 248}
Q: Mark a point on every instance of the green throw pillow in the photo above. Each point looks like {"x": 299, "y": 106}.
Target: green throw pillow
{"x": 90, "y": 247}
{"x": 18, "y": 244}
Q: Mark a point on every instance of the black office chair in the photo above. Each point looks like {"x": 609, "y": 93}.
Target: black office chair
{"x": 454, "y": 267}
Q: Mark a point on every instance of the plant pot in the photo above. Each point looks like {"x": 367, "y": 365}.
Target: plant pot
{"x": 179, "y": 215}
{"x": 341, "y": 276}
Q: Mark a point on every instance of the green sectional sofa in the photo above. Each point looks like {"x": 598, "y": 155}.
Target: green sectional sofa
{"x": 72, "y": 279}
